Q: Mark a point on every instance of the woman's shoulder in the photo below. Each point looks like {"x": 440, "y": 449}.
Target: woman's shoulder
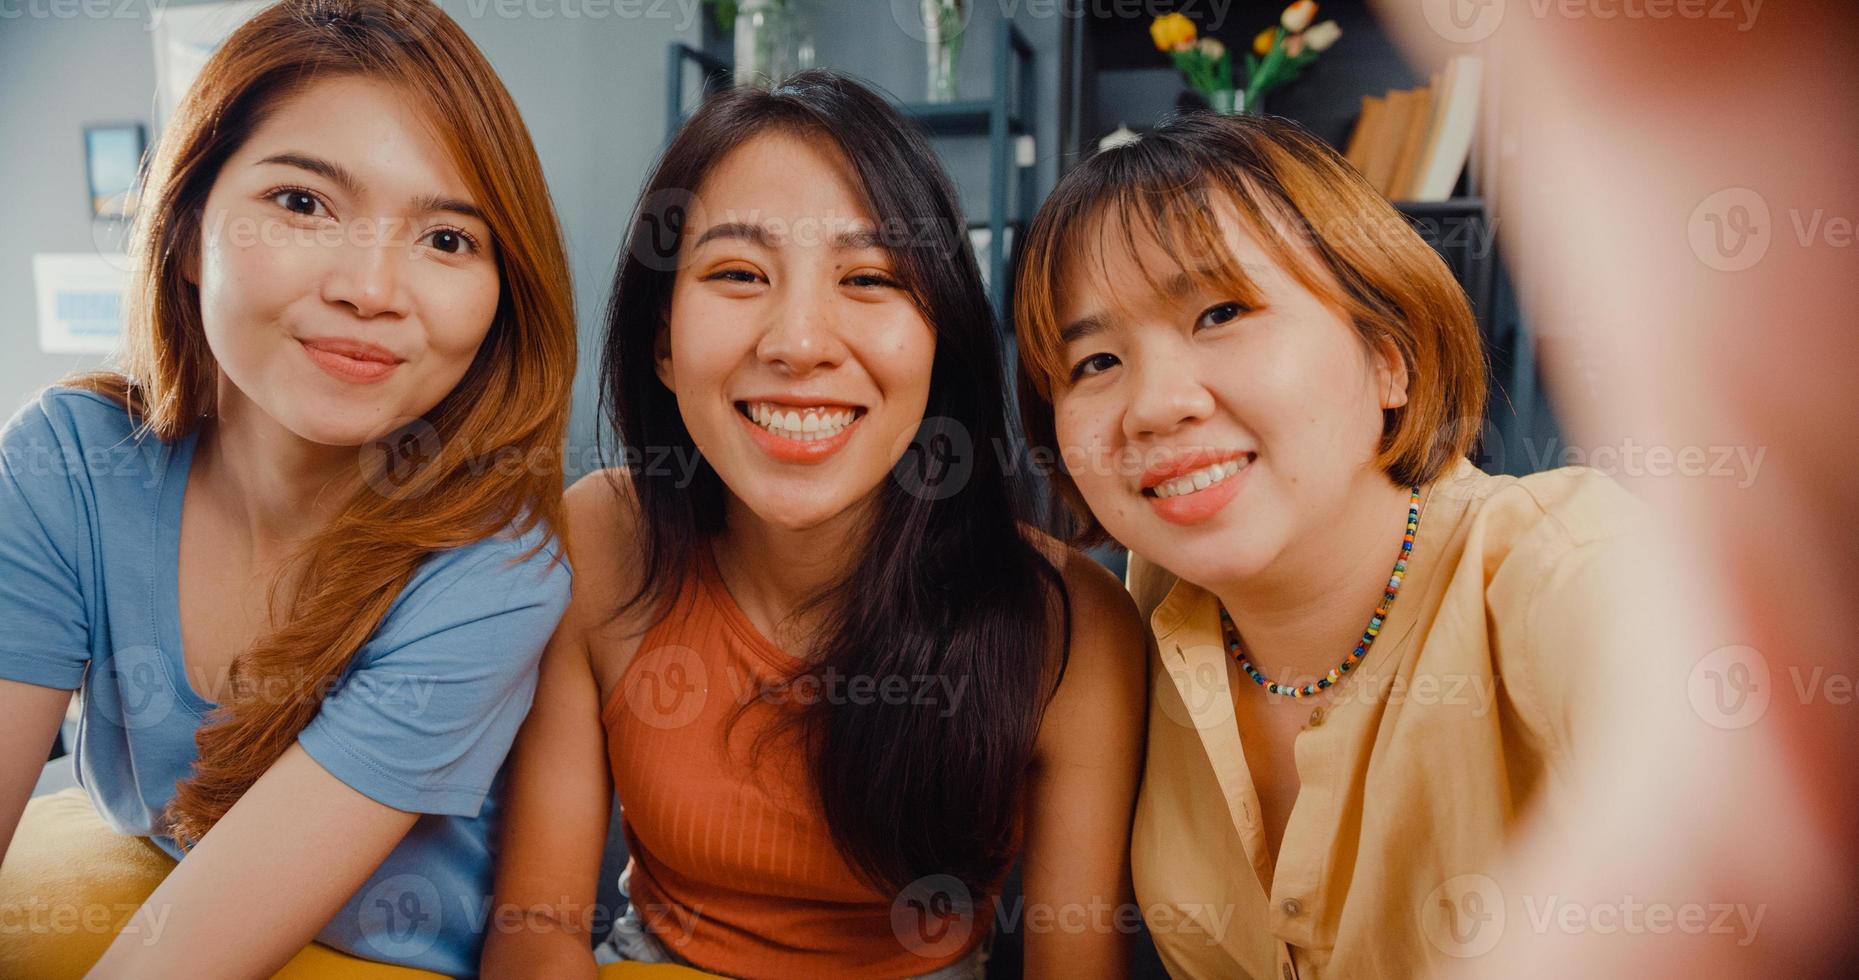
{"x": 1560, "y": 509}
{"x": 514, "y": 568}
{"x": 603, "y": 535}
{"x": 70, "y": 416}
{"x": 1104, "y": 619}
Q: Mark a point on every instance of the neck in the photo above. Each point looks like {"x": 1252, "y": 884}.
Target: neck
{"x": 1301, "y": 615}
{"x": 773, "y": 572}
{"x": 275, "y": 486}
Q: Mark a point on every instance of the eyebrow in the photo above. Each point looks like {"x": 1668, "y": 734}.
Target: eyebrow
{"x": 1084, "y": 326}
{"x": 343, "y": 178}
{"x": 856, "y": 239}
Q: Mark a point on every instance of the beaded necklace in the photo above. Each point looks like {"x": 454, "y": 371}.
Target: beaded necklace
{"x": 1368, "y": 635}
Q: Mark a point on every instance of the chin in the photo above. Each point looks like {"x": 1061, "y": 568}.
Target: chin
{"x": 340, "y": 425}
{"x": 1203, "y": 555}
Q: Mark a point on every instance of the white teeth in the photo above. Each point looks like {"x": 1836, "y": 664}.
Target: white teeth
{"x": 802, "y": 425}
{"x": 1200, "y": 479}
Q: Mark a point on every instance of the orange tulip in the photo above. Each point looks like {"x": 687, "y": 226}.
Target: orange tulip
{"x": 1171, "y": 32}
{"x": 1299, "y": 15}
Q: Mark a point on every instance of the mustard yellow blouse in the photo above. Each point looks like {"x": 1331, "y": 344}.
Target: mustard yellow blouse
{"x": 1413, "y": 773}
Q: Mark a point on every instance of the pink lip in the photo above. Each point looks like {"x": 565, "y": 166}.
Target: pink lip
{"x": 1196, "y": 507}
{"x": 350, "y": 360}
{"x": 793, "y": 450}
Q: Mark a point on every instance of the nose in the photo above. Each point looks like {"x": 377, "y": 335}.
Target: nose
{"x": 1166, "y": 393}
{"x": 369, "y": 276}
{"x": 800, "y": 335}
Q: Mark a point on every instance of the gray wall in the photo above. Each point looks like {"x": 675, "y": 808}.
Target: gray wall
{"x": 591, "y": 89}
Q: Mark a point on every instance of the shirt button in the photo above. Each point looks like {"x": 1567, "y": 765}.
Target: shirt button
{"x": 1292, "y": 906}
{"x": 1316, "y": 717}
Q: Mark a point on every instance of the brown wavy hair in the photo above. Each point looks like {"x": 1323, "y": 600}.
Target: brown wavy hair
{"x": 511, "y": 404}
{"x": 1285, "y": 184}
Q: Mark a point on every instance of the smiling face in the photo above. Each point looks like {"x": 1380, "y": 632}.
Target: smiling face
{"x": 1209, "y": 430}
{"x": 800, "y": 363}
{"x": 346, "y": 277}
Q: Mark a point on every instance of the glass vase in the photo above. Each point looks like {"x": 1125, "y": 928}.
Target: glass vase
{"x": 773, "y": 41}
{"x": 943, "y": 24}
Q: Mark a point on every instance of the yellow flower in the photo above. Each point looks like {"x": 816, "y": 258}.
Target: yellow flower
{"x": 1212, "y": 48}
{"x": 1262, "y": 45}
{"x": 1171, "y": 32}
{"x": 1299, "y": 15}
{"x": 1320, "y": 37}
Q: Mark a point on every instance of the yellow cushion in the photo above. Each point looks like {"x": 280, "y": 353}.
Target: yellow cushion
{"x": 69, "y": 883}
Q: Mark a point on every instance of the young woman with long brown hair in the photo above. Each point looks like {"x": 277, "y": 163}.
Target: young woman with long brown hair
{"x": 1370, "y": 655}
{"x": 838, "y": 686}
{"x": 297, "y": 554}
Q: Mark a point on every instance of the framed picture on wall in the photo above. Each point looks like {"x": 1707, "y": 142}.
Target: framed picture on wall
{"x": 113, "y": 168}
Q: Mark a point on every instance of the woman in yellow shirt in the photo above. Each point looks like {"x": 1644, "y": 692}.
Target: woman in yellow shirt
{"x": 1368, "y": 652}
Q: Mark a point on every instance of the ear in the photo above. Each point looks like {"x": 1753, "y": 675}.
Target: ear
{"x": 1390, "y": 373}
{"x": 661, "y": 356}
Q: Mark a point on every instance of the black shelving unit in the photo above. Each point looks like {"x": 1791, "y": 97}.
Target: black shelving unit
{"x": 1002, "y": 117}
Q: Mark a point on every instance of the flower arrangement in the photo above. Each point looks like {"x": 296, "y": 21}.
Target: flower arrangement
{"x": 1279, "y": 54}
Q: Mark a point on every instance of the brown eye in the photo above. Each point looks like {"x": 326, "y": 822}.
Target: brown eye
{"x": 1095, "y": 364}
{"x": 1220, "y": 313}
{"x": 297, "y": 201}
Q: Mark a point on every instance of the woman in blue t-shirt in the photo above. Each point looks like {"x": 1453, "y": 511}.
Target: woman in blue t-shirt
{"x": 297, "y": 556}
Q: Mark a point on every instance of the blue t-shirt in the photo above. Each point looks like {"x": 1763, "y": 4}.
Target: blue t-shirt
{"x": 90, "y": 521}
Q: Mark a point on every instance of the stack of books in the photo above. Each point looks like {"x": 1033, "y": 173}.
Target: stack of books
{"x": 1413, "y": 144}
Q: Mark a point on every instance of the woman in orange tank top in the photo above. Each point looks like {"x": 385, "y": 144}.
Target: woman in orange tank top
{"x": 838, "y": 685}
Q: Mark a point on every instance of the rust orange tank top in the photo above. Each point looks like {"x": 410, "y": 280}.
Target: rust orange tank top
{"x": 732, "y": 866}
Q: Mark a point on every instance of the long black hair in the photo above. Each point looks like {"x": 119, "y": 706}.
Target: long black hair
{"x": 946, "y": 584}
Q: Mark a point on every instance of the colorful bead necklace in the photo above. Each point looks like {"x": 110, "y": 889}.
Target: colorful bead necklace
{"x": 1368, "y": 635}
